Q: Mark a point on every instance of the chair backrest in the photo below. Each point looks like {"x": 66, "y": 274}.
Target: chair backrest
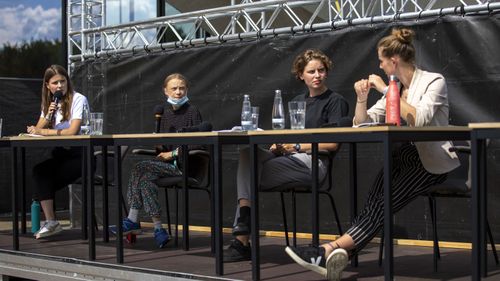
{"x": 199, "y": 167}
{"x": 110, "y": 157}
{"x": 458, "y": 180}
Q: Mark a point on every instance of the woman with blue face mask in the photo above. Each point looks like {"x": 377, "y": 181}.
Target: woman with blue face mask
{"x": 142, "y": 191}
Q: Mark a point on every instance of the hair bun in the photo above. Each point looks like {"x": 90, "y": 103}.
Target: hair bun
{"x": 403, "y": 35}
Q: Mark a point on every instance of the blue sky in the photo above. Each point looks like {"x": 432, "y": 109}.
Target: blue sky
{"x": 25, "y": 20}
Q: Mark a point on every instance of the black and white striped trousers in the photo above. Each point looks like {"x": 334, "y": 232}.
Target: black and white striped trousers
{"x": 409, "y": 180}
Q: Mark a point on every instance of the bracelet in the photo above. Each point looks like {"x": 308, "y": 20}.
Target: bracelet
{"x": 174, "y": 153}
{"x": 363, "y": 101}
{"x": 384, "y": 91}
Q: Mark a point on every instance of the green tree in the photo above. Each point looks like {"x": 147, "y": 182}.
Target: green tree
{"x": 30, "y": 59}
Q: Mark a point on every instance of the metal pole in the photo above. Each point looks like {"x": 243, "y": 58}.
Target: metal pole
{"x": 64, "y": 34}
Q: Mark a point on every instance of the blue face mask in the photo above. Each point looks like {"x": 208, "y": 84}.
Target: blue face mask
{"x": 178, "y": 102}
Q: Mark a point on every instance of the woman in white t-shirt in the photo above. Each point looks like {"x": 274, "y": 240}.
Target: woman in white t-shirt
{"x": 61, "y": 115}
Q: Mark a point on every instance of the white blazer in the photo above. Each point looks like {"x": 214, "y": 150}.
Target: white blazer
{"x": 429, "y": 95}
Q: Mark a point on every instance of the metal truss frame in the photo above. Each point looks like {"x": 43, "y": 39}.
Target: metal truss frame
{"x": 89, "y": 38}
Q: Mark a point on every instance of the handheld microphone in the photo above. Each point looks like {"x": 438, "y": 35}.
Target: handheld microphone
{"x": 57, "y": 97}
{"x": 202, "y": 127}
{"x": 158, "y": 114}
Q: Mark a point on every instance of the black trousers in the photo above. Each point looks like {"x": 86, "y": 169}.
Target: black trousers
{"x": 55, "y": 173}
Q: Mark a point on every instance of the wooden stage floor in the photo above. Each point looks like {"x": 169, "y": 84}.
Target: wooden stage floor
{"x": 411, "y": 262}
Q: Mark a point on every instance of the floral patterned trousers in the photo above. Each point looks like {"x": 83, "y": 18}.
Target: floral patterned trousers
{"x": 142, "y": 191}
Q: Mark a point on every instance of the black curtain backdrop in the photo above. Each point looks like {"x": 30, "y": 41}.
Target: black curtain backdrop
{"x": 463, "y": 49}
{"x": 19, "y": 107}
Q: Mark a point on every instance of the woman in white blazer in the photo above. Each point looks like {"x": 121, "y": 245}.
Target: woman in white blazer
{"x": 417, "y": 166}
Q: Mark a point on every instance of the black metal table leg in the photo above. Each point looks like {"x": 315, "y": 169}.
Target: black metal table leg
{"x": 15, "y": 221}
{"x": 23, "y": 190}
{"x": 105, "y": 199}
{"x": 315, "y": 195}
{"x": 185, "y": 195}
{"x": 254, "y": 198}
{"x": 388, "y": 227}
{"x": 84, "y": 194}
{"x": 353, "y": 188}
{"x": 91, "y": 200}
{"x": 217, "y": 156}
{"x": 118, "y": 185}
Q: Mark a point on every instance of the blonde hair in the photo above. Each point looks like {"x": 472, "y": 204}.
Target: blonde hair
{"x": 175, "y": 76}
{"x": 300, "y": 62}
{"x": 399, "y": 42}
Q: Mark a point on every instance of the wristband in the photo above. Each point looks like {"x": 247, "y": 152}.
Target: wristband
{"x": 174, "y": 154}
{"x": 384, "y": 91}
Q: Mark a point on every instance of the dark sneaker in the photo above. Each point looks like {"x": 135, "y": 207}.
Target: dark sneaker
{"x": 161, "y": 237}
{"x": 310, "y": 257}
{"x": 237, "y": 252}
{"x": 241, "y": 228}
{"x": 128, "y": 227}
{"x": 48, "y": 230}
{"x": 335, "y": 264}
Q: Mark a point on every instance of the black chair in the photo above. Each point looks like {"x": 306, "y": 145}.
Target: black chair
{"x": 301, "y": 188}
{"x": 456, "y": 186}
{"x": 199, "y": 171}
{"x": 105, "y": 173}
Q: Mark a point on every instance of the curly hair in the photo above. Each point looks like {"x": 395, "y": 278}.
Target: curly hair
{"x": 300, "y": 62}
{"x": 399, "y": 42}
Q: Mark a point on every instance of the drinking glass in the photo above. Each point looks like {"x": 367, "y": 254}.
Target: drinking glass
{"x": 96, "y": 123}
{"x": 255, "y": 117}
{"x": 297, "y": 111}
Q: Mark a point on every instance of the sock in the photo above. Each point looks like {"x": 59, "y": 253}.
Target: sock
{"x": 244, "y": 214}
{"x": 133, "y": 215}
{"x": 51, "y": 222}
{"x": 157, "y": 225}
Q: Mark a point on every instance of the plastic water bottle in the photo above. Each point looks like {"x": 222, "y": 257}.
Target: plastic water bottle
{"x": 278, "y": 112}
{"x": 35, "y": 216}
{"x": 392, "y": 110}
{"x": 85, "y": 126}
{"x": 246, "y": 114}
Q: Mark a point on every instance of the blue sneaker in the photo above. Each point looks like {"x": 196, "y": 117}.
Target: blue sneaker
{"x": 161, "y": 237}
{"x": 128, "y": 227}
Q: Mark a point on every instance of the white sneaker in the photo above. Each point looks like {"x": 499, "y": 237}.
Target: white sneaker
{"x": 48, "y": 230}
{"x": 336, "y": 263}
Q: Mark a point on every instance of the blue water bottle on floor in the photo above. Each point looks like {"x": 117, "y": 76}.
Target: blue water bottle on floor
{"x": 35, "y": 216}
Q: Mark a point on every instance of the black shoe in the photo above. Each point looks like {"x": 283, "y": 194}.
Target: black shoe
{"x": 310, "y": 257}
{"x": 241, "y": 228}
{"x": 237, "y": 252}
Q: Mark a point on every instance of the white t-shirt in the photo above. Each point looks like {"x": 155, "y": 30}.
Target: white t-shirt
{"x": 76, "y": 112}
